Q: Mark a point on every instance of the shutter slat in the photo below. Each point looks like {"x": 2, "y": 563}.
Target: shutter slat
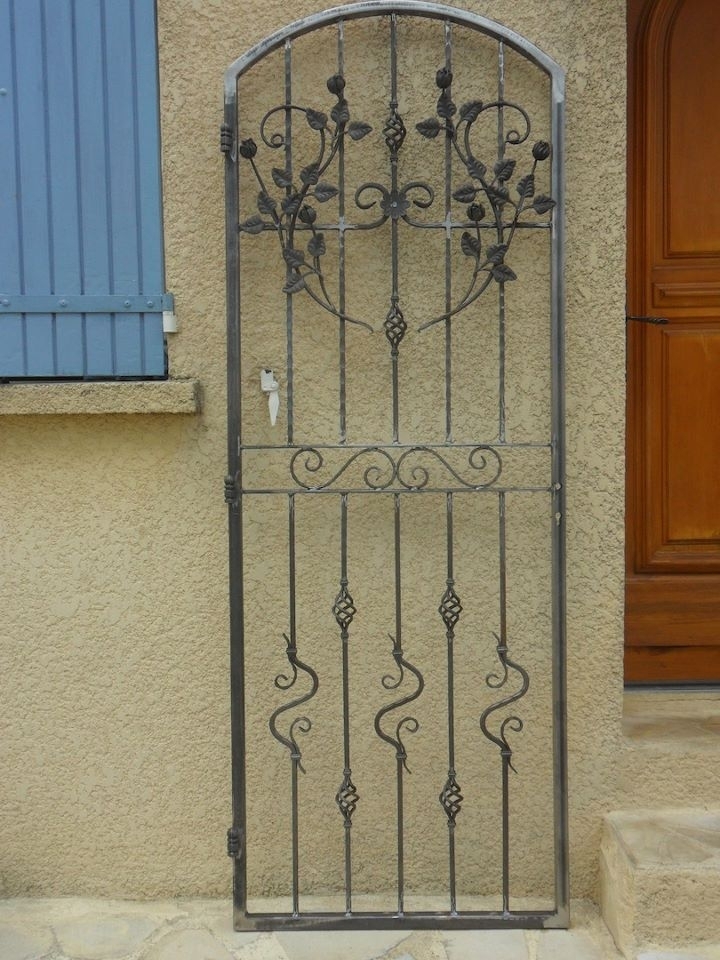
{"x": 12, "y": 325}
{"x": 64, "y": 219}
{"x": 81, "y": 128}
{"x": 149, "y": 181}
{"x": 123, "y": 153}
{"x": 96, "y": 228}
{"x": 32, "y": 149}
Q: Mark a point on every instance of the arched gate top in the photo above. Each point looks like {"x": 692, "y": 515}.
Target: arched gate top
{"x": 381, "y": 8}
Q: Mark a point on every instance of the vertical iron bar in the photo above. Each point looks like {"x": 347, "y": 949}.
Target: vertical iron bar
{"x": 341, "y": 247}
{"x": 557, "y": 346}
{"x": 294, "y": 760}
{"x": 235, "y": 510}
{"x": 501, "y": 239}
{"x": 448, "y": 252}
{"x": 346, "y": 700}
{"x": 451, "y": 704}
{"x": 395, "y": 295}
{"x": 288, "y": 298}
{"x": 503, "y": 567}
{"x": 398, "y": 639}
{"x": 502, "y": 542}
{"x": 506, "y": 832}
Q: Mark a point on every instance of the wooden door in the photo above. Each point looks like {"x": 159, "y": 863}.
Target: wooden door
{"x": 673, "y": 444}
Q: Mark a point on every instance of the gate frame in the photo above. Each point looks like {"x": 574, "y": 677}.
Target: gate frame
{"x": 558, "y": 918}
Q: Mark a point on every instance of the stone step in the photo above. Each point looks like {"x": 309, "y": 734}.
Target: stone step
{"x": 660, "y": 882}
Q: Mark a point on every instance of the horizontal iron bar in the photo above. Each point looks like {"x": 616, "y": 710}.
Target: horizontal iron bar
{"x": 517, "y": 920}
{"x": 86, "y": 303}
{"x": 531, "y": 444}
{"x": 430, "y": 225}
{"x": 337, "y": 491}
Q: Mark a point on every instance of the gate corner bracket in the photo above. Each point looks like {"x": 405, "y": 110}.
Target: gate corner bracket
{"x": 233, "y": 843}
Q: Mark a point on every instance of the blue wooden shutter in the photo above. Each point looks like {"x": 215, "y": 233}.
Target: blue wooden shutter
{"x": 81, "y": 252}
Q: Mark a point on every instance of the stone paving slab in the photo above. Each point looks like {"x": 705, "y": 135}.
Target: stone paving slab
{"x": 79, "y": 929}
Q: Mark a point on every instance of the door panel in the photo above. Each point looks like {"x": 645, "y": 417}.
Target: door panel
{"x": 673, "y": 523}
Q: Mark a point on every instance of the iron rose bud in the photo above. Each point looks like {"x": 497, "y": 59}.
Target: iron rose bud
{"x": 541, "y": 150}
{"x": 476, "y": 211}
{"x": 336, "y": 84}
{"x": 443, "y": 78}
{"x": 247, "y": 149}
{"x": 307, "y": 214}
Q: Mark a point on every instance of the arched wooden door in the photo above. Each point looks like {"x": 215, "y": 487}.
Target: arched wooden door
{"x": 673, "y": 525}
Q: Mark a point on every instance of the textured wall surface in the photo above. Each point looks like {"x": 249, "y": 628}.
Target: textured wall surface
{"x": 115, "y": 736}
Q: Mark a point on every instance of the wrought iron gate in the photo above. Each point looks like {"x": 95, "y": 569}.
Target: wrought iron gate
{"x": 394, "y": 241}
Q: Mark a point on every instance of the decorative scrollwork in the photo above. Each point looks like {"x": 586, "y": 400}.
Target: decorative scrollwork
{"x": 492, "y": 185}
{"x": 511, "y": 722}
{"x": 390, "y": 468}
{"x": 347, "y": 797}
{"x": 301, "y": 724}
{"x": 451, "y": 798}
{"x": 395, "y": 327}
{"x": 301, "y": 193}
{"x": 409, "y": 724}
{"x": 450, "y": 608}
{"x": 396, "y": 203}
{"x": 344, "y": 609}
{"x": 394, "y": 132}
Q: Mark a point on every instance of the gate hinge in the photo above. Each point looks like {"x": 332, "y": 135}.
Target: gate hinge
{"x": 226, "y": 138}
{"x": 231, "y": 489}
{"x": 656, "y": 320}
{"x": 233, "y": 843}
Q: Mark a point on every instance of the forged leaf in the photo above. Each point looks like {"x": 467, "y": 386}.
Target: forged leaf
{"x": 445, "y": 106}
{"x": 316, "y": 119}
{"x": 340, "y": 112}
{"x": 316, "y": 247}
{"x": 496, "y": 254}
{"x": 295, "y": 286}
{"x": 470, "y": 245}
{"x": 266, "y": 203}
{"x": 325, "y": 192}
{"x": 526, "y": 186}
{"x": 293, "y": 257}
{"x": 292, "y": 203}
{"x": 471, "y": 111}
{"x": 358, "y": 129}
{"x": 504, "y": 169}
{"x": 309, "y": 174}
{"x": 476, "y": 168}
{"x": 543, "y": 204}
{"x": 502, "y": 273}
{"x": 254, "y": 224}
{"x": 429, "y": 128}
{"x": 281, "y": 177}
{"x": 465, "y": 194}
{"x": 498, "y": 194}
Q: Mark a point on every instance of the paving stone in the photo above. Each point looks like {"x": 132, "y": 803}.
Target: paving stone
{"x": 486, "y": 945}
{"x": 98, "y": 937}
{"x": 340, "y": 945}
{"x": 568, "y": 945}
{"x": 187, "y": 945}
{"x": 19, "y": 944}
{"x": 675, "y": 955}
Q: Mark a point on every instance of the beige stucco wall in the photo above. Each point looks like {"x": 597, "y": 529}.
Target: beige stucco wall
{"x": 115, "y": 733}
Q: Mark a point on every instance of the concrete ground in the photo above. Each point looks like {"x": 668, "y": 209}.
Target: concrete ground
{"x": 78, "y": 929}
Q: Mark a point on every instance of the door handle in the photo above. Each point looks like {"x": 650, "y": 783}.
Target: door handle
{"x": 656, "y": 320}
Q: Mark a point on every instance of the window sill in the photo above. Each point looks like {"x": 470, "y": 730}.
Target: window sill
{"x": 100, "y": 397}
